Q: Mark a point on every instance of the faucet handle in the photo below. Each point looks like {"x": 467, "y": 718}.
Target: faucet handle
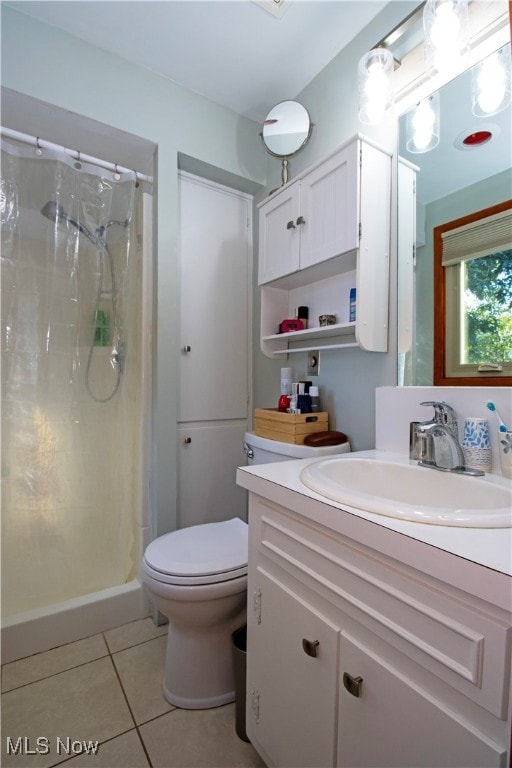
{"x": 444, "y": 413}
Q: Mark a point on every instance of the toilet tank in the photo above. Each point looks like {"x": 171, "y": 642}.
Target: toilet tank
{"x": 262, "y": 450}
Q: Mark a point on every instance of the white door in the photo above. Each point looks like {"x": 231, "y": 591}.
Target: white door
{"x": 215, "y": 352}
{"x": 215, "y": 258}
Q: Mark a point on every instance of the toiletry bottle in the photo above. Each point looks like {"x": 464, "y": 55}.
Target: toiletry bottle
{"x": 303, "y": 400}
{"x": 316, "y": 405}
{"x": 302, "y": 313}
{"x": 293, "y": 398}
{"x": 286, "y": 381}
{"x": 352, "y": 310}
{"x": 283, "y": 403}
{"x": 286, "y": 390}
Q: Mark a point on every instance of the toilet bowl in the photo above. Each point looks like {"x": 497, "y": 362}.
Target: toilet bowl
{"x": 197, "y": 578}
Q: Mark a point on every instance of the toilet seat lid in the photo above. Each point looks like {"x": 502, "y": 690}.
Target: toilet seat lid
{"x": 211, "y": 549}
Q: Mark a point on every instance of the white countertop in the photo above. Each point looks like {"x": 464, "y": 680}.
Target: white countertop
{"x": 488, "y": 547}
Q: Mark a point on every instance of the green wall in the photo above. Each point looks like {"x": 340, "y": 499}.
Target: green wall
{"x": 45, "y": 63}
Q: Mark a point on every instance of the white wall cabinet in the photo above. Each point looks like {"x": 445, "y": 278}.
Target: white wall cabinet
{"x": 358, "y": 661}
{"x": 324, "y": 233}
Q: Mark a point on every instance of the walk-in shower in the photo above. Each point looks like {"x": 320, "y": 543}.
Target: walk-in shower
{"x": 74, "y": 389}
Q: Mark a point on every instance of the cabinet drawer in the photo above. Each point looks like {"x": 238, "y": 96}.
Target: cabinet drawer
{"x": 462, "y": 641}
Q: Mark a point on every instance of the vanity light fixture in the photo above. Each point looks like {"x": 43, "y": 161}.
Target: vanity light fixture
{"x": 374, "y": 84}
{"x": 446, "y": 28}
{"x": 422, "y": 125}
{"x": 490, "y": 84}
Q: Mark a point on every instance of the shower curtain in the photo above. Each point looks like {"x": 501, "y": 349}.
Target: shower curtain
{"x": 71, "y": 351}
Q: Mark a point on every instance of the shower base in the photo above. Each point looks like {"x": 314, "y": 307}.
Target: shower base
{"x": 38, "y": 630}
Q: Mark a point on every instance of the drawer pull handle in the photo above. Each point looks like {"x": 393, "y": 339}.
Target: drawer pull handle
{"x": 310, "y": 647}
{"x": 353, "y": 684}
{"x": 290, "y": 225}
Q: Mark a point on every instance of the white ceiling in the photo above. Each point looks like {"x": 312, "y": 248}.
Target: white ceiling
{"x": 239, "y": 55}
{"x": 231, "y": 51}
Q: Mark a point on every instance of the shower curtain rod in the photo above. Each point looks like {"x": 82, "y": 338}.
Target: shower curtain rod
{"x": 74, "y": 153}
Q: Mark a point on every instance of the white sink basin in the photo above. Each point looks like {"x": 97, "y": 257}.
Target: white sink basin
{"x": 411, "y": 492}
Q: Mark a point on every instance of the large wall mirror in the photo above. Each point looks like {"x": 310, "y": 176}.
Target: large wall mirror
{"x": 467, "y": 173}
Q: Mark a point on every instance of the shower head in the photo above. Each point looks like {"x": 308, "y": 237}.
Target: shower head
{"x": 53, "y": 211}
{"x": 56, "y": 213}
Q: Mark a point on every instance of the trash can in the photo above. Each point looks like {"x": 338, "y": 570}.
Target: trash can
{"x": 240, "y": 664}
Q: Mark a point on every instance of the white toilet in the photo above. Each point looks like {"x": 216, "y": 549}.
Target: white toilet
{"x": 197, "y": 578}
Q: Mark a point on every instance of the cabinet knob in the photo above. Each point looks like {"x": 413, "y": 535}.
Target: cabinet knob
{"x": 290, "y": 225}
{"x": 310, "y": 647}
{"x": 301, "y": 220}
{"x": 187, "y": 440}
{"x": 353, "y": 684}
{"x": 187, "y": 348}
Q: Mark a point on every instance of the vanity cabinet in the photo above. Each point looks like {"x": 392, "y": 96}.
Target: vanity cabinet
{"x": 320, "y": 236}
{"x": 359, "y": 661}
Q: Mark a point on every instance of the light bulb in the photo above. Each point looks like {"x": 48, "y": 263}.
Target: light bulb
{"x": 423, "y": 125}
{"x": 446, "y": 26}
{"x": 446, "y": 34}
{"x": 490, "y": 85}
{"x": 375, "y": 93}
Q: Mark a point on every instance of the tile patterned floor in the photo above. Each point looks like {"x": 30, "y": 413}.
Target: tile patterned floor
{"x": 107, "y": 688}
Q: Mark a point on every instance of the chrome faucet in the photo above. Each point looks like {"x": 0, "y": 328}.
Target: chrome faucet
{"x": 435, "y": 443}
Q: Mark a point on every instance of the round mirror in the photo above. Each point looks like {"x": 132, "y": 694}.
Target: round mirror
{"x": 286, "y": 130}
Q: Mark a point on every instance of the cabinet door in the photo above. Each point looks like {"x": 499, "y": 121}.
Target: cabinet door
{"x": 329, "y": 207}
{"x": 208, "y": 456}
{"x": 394, "y": 723}
{"x": 291, "y": 695}
{"x": 214, "y": 301}
{"x": 406, "y": 245}
{"x": 279, "y": 235}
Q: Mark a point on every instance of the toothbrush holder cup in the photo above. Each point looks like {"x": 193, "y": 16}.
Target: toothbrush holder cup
{"x": 505, "y": 446}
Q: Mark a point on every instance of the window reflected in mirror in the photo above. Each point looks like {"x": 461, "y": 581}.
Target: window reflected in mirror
{"x": 467, "y": 172}
{"x": 473, "y": 298}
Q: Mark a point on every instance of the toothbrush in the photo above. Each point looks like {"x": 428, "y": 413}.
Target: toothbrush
{"x": 501, "y": 425}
